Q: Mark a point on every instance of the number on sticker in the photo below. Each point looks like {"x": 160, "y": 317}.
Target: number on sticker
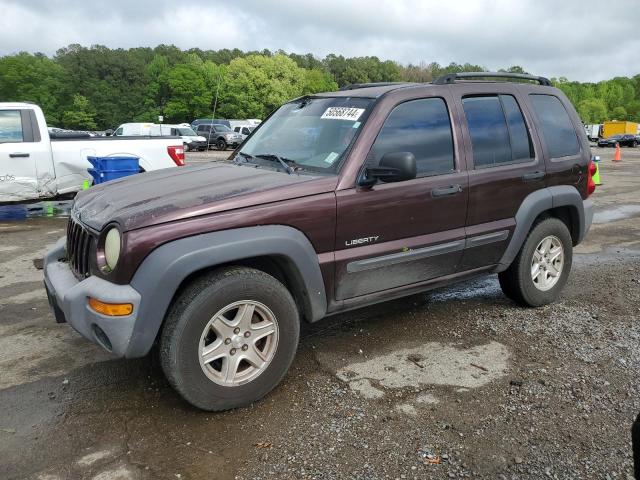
{"x": 342, "y": 113}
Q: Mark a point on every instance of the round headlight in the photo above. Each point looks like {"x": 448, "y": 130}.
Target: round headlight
{"x": 112, "y": 248}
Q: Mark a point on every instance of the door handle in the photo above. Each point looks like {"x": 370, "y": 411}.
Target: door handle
{"x": 443, "y": 192}
{"x": 532, "y": 177}
{"x": 18, "y": 155}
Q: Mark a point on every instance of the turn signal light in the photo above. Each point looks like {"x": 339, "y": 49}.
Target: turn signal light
{"x": 110, "y": 309}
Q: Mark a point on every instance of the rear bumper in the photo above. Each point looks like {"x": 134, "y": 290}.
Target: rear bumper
{"x": 69, "y": 296}
{"x": 588, "y": 218}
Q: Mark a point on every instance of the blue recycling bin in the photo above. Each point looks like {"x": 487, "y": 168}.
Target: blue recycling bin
{"x": 111, "y": 168}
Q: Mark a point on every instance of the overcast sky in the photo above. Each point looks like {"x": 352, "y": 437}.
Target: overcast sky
{"x": 583, "y": 40}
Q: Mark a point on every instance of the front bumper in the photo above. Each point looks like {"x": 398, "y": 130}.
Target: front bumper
{"x": 195, "y": 145}
{"x": 69, "y": 296}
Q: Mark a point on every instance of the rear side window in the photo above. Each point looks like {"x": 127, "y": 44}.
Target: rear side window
{"x": 498, "y": 131}
{"x": 421, "y": 127}
{"x": 557, "y": 129}
{"x": 11, "y": 126}
{"x": 521, "y": 147}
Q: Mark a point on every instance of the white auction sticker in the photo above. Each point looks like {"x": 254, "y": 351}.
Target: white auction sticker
{"x": 343, "y": 113}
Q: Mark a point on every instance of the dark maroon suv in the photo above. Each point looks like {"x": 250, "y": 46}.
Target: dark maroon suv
{"x": 336, "y": 201}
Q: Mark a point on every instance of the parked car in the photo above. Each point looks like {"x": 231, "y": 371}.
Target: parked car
{"x": 190, "y": 140}
{"x": 626, "y": 140}
{"x": 219, "y": 136}
{"x": 406, "y": 188}
{"x": 37, "y": 164}
{"x": 209, "y": 121}
{"x": 244, "y": 130}
{"x": 142, "y": 129}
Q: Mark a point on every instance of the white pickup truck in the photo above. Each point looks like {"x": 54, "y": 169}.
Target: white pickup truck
{"x": 35, "y": 165}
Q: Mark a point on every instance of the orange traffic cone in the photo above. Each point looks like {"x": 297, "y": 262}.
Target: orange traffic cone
{"x": 618, "y": 156}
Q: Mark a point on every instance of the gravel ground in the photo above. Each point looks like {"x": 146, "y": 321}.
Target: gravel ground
{"x": 456, "y": 383}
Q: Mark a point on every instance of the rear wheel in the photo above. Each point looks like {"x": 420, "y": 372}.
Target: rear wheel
{"x": 229, "y": 338}
{"x": 540, "y": 270}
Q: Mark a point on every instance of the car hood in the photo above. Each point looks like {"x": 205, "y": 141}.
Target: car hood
{"x": 173, "y": 194}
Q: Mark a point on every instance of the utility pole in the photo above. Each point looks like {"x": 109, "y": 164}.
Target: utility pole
{"x": 215, "y": 104}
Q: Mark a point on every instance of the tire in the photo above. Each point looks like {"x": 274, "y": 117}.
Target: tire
{"x": 186, "y": 147}
{"x": 634, "y": 144}
{"x": 517, "y": 281}
{"x": 221, "y": 144}
{"x": 184, "y": 338}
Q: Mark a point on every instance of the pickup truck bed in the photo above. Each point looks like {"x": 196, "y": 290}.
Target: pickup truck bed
{"x": 34, "y": 165}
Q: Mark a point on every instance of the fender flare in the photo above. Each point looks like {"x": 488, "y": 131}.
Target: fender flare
{"x": 538, "y": 202}
{"x": 163, "y": 270}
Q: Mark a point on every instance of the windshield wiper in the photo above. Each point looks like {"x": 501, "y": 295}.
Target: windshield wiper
{"x": 285, "y": 162}
{"x": 289, "y": 165}
{"x": 246, "y": 156}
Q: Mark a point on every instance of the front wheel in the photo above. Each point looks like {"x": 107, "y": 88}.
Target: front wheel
{"x": 541, "y": 269}
{"x": 221, "y": 144}
{"x": 229, "y": 338}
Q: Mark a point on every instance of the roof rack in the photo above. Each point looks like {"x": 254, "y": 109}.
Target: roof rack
{"x": 355, "y": 86}
{"x": 452, "y": 77}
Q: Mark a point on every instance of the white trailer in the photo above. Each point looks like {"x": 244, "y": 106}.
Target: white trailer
{"x": 593, "y": 131}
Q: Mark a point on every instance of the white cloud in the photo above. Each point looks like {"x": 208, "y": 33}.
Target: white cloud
{"x": 573, "y": 38}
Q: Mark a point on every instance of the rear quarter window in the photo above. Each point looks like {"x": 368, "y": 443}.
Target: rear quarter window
{"x": 11, "y": 126}
{"x": 557, "y": 128}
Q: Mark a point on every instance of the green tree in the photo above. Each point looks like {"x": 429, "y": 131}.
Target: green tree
{"x": 318, "y": 81}
{"x": 34, "y": 78}
{"x": 592, "y": 110}
{"x": 81, "y": 114}
{"x": 189, "y": 95}
{"x": 619, "y": 113}
{"x": 255, "y": 85}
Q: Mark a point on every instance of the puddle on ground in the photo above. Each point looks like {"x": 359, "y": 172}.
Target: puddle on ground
{"x": 22, "y": 211}
{"x": 485, "y": 287}
{"x": 430, "y": 364}
{"x": 616, "y": 213}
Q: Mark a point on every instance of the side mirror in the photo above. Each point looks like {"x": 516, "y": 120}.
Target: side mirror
{"x": 393, "y": 167}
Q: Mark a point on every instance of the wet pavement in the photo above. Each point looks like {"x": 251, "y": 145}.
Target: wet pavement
{"x": 455, "y": 383}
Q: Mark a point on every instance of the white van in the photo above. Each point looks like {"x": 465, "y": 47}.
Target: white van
{"x": 190, "y": 139}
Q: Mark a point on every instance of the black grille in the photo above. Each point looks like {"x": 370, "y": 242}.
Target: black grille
{"x": 78, "y": 246}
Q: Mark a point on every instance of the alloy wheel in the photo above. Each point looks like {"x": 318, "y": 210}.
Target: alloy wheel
{"x": 238, "y": 343}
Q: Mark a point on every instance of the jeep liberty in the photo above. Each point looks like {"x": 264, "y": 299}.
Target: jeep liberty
{"x": 336, "y": 201}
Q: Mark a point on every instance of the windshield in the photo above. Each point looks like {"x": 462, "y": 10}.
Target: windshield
{"x": 186, "y": 132}
{"x": 312, "y": 132}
